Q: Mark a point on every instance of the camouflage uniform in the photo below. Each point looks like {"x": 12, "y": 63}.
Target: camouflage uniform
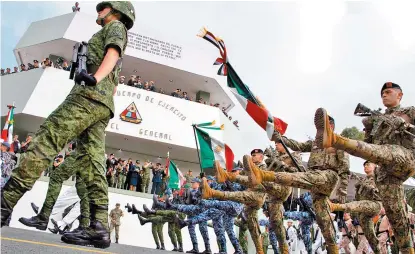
{"x": 146, "y": 178}
{"x": 68, "y": 168}
{"x": 174, "y": 230}
{"x": 253, "y": 199}
{"x": 199, "y": 215}
{"x": 367, "y": 205}
{"x": 230, "y": 211}
{"x": 265, "y": 241}
{"x": 277, "y": 194}
{"x": 272, "y": 236}
{"x": 393, "y": 151}
{"x": 243, "y": 237}
{"x": 325, "y": 166}
{"x": 84, "y": 113}
{"x": 115, "y": 216}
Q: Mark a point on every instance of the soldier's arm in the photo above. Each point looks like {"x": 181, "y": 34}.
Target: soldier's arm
{"x": 298, "y": 146}
{"x": 343, "y": 172}
{"x": 115, "y": 40}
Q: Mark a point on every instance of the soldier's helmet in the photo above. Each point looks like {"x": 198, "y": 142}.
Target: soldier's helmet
{"x": 307, "y": 198}
{"x": 126, "y": 8}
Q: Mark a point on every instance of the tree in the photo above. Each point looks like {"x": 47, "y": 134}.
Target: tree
{"x": 353, "y": 133}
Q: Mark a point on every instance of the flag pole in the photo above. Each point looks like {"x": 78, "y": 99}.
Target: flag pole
{"x": 197, "y": 147}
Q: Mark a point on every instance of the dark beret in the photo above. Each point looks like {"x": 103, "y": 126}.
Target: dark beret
{"x": 389, "y": 85}
{"x": 257, "y": 151}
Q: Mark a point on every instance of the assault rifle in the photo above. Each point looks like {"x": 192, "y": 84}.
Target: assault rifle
{"x": 79, "y": 69}
{"x": 308, "y": 208}
{"x": 396, "y": 123}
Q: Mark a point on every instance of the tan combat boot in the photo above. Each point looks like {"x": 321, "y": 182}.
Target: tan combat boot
{"x": 335, "y": 207}
{"x": 255, "y": 175}
{"x": 325, "y": 137}
{"x": 207, "y": 192}
{"x": 221, "y": 174}
{"x": 284, "y": 249}
{"x": 332, "y": 249}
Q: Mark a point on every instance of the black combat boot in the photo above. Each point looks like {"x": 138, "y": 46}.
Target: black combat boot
{"x": 35, "y": 208}
{"x": 53, "y": 230}
{"x": 96, "y": 235}
{"x": 135, "y": 210}
{"x": 168, "y": 203}
{"x": 194, "y": 250}
{"x": 6, "y": 211}
{"x": 162, "y": 246}
{"x": 207, "y": 249}
{"x": 39, "y": 222}
{"x": 155, "y": 202}
{"x": 181, "y": 223}
{"x": 158, "y": 246}
{"x": 148, "y": 211}
{"x": 175, "y": 247}
{"x": 142, "y": 220}
{"x": 180, "y": 247}
{"x": 129, "y": 209}
{"x": 116, "y": 240}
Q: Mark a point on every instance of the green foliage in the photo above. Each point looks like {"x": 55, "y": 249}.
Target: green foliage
{"x": 353, "y": 133}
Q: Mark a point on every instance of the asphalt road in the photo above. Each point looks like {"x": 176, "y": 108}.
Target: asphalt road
{"x": 20, "y": 241}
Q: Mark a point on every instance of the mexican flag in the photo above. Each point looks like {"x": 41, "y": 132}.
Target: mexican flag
{"x": 212, "y": 149}
{"x": 7, "y": 132}
{"x": 245, "y": 97}
{"x": 174, "y": 175}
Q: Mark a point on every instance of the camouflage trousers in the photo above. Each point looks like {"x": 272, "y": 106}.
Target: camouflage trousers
{"x": 117, "y": 230}
{"x": 76, "y": 117}
{"x": 230, "y": 210}
{"x": 272, "y": 236}
{"x": 321, "y": 183}
{"x": 157, "y": 231}
{"x": 242, "y": 236}
{"x": 392, "y": 193}
{"x": 396, "y": 165}
{"x": 145, "y": 184}
{"x": 69, "y": 167}
{"x": 265, "y": 241}
{"x": 121, "y": 181}
{"x": 366, "y": 210}
{"x": 253, "y": 201}
{"x": 174, "y": 231}
{"x": 277, "y": 194}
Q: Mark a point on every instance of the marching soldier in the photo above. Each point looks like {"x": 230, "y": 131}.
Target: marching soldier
{"x": 325, "y": 167}
{"x": 390, "y": 143}
{"x": 367, "y": 204}
{"x": 84, "y": 113}
{"x": 60, "y": 174}
{"x": 115, "y": 216}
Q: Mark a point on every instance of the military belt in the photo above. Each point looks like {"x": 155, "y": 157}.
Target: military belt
{"x": 92, "y": 69}
{"x": 380, "y": 232}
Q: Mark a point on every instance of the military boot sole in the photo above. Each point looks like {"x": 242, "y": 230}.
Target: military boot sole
{"x": 33, "y": 225}
{"x": 101, "y": 244}
{"x": 320, "y": 118}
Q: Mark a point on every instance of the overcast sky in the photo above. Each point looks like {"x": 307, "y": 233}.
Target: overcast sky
{"x": 296, "y": 56}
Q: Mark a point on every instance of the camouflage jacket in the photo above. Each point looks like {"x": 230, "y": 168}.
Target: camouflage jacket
{"x": 115, "y": 216}
{"x": 388, "y": 127}
{"x": 324, "y": 159}
{"x": 113, "y": 34}
{"x": 147, "y": 171}
{"x": 366, "y": 189}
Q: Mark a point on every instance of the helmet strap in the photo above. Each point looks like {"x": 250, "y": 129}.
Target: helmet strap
{"x": 101, "y": 21}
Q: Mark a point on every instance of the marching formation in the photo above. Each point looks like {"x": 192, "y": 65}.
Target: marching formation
{"x": 378, "y": 217}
